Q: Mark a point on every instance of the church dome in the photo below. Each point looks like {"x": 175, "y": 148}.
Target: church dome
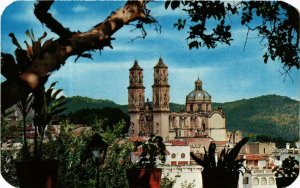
{"x": 198, "y": 94}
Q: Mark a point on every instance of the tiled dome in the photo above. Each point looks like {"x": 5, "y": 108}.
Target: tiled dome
{"x": 198, "y": 94}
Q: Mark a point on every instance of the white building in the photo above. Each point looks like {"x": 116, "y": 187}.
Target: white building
{"x": 179, "y": 153}
{"x": 259, "y": 178}
{"x": 190, "y": 174}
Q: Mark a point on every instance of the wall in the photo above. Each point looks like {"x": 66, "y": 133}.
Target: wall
{"x": 177, "y": 151}
{"x": 260, "y": 179}
{"x": 180, "y": 174}
{"x": 216, "y": 121}
{"x": 134, "y": 124}
{"x": 161, "y": 124}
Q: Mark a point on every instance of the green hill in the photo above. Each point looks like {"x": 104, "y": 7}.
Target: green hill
{"x": 78, "y": 103}
{"x": 270, "y": 114}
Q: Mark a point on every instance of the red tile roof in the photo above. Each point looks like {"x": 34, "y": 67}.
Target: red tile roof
{"x": 177, "y": 143}
{"x": 220, "y": 142}
{"x": 137, "y": 139}
{"x": 255, "y": 157}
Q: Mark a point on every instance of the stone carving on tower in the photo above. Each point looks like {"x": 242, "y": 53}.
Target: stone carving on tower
{"x": 136, "y": 98}
{"x": 136, "y": 89}
{"x": 198, "y": 121}
{"x": 161, "y": 99}
{"x": 161, "y": 96}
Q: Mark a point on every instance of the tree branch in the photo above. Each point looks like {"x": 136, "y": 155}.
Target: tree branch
{"x": 41, "y": 12}
{"x": 52, "y": 56}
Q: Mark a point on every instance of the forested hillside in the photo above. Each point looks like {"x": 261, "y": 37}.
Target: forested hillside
{"x": 265, "y": 115}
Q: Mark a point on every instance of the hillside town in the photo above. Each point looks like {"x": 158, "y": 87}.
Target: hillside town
{"x": 190, "y": 130}
{"x": 194, "y": 128}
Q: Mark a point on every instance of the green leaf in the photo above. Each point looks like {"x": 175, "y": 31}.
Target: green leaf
{"x": 167, "y": 3}
{"x": 265, "y": 56}
{"x": 9, "y": 68}
{"x": 53, "y": 97}
{"x": 175, "y": 4}
{"x": 53, "y": 84}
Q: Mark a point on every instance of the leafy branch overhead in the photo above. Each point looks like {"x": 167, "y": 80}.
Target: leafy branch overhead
{"x": 275, "y": 22}
{"x": 38, "y": 63}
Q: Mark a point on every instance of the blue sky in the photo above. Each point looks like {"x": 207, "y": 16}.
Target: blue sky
{"x": 228, "y": 72}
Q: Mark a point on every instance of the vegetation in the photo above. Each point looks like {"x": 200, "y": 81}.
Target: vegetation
{"x": 279, "y": 141}
{"x": 76, "y": 168}
{"x": 275, "y": 22}
{"x": 8, "y": 170}
{"x": 110, "y": 116}
{"x": 78, "y": 103}
{"x": 11, "y": 130}
{"x": 186, "y": 184}
{"x": 149, "y": 151}
{"x": 52, "y": 55}
{"x": 167, "y": 181}
{"x": 227, "y": 159}
{"x": 266, "y": 115}
{"x": 289, "y": 168}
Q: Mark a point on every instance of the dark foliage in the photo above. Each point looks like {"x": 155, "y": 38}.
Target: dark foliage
{"x": 266, "y": 115}
{"x": 227, "y": 159}
{"x": 272, "y": 115}
{"x": 278, "y": 26}
{"x": 111, "y": 116}
{"x": 279, "y": 141}
{"x": 289, "y": 168}
{"x": 150, "y": 150}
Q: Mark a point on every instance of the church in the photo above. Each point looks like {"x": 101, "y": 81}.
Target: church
{"x": 196, "y": 123}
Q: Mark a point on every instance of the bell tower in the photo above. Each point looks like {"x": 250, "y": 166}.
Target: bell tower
{"x": 161, "y": 87}
{"x": 161, "y": 99}
{"x": 136, "y": 97}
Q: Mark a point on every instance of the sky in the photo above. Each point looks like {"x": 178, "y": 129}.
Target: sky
{"x": 228, "y": 73}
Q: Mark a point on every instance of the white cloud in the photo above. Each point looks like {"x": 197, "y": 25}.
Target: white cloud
{"x": 79, "y": 8}
{"x": 26, "y": 15}
{"x": 160, "y": 11}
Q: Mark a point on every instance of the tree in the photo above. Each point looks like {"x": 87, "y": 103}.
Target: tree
{"x": 40, "y": 60}
{"x": 276, "y": 22}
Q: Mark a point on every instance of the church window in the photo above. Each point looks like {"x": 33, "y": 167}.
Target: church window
{"x": 255, "y": 181}
{"x": 203, "y": 125}
{"x": 271, "y": 181}
{"x": 199, "y": 107}
{"x": 263, "y": 181}
{"x": 246, "y": 180}
{"x": 264, "y": 150}
{"x": 191, "y": 107}
{"x": 173, "y": 155}
{"x": 182, "y": 155}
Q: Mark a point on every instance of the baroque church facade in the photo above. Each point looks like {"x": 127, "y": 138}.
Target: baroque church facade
{"x": 196, "y": 121}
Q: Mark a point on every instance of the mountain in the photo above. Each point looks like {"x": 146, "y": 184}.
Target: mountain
{"x": 265, "y": 115}
{"x": 273, "y": 115}
{"x": 78, "y": 103}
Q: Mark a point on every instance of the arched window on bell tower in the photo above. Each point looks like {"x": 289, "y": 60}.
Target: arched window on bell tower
{"x": 161, "y": 87}
{"x": 136, "y": 90}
